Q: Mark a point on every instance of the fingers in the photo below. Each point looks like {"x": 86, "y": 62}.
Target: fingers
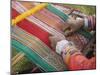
{"x": 70, "y": 11}
{"x": 52, "y": 42}
{"x": 69, "y": 27}
{"x": 80, "y": 23}
{"x": 65, "y": 26}
{"x": 74, "y": 17}
{"x": 68, "y": 33}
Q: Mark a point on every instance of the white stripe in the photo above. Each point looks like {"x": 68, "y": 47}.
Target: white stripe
{"x": 42, "y": 25}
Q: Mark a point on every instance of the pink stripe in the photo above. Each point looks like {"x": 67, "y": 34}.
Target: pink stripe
{"x": 51, "y": 15}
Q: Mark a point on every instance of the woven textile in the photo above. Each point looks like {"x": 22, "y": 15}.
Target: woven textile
{"x": 30, "y": 37}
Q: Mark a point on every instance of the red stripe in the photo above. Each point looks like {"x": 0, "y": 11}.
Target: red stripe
{"x": 33, "y": 29}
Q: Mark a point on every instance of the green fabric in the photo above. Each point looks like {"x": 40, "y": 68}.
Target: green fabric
{"x": 85, "y": 33}
{"x": 57, "y": 12}
{"x": 32, "y": 56}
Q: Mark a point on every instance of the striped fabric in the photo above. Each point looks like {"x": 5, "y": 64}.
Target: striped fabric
{"x": 31, "y": 36}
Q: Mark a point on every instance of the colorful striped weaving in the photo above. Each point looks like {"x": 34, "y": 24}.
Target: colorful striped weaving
{"x": 38, "y": 46}
{"x": 32, "y": 56}
{"x": 35, "y": 24}
{"x": 33, "y": 29}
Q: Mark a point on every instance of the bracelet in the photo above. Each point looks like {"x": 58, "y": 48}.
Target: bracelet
{"x": 69, "y": 48}
{"x": 67, "y": 58}
{"x": 85, "y": 23}
{"x": 66, "y": 53}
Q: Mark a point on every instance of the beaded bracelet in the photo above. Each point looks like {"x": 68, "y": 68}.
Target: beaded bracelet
{"x": 67, "y": 52}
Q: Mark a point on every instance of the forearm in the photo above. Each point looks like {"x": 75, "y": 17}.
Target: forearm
{"x": 73, "y": 58}
{"x": 76, "y": 61}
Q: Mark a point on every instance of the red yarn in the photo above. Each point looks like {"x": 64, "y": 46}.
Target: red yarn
{"x": 33, "y": 29}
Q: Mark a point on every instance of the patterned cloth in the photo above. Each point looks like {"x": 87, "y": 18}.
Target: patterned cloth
{"x": 33, "y": 34}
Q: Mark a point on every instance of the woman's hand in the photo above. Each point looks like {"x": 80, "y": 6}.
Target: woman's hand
{"x": 54, "y": 40}
{"x": 72, "y": 24}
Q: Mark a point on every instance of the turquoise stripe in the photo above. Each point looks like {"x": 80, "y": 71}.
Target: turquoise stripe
{"x": 33, "y": 56}
{"x": 85, "y": 33}
{"x": 57, "y": 12}
{"x": 65, "y": 17}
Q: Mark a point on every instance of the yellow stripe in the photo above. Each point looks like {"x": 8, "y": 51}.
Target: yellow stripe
{"x": 28, "y": 13}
